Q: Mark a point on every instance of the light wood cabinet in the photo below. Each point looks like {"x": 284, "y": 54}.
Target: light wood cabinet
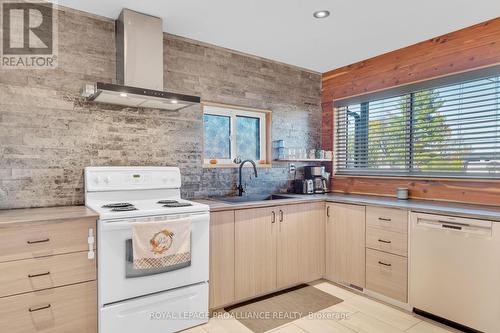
{"x": 387, "y": 241}
{"x": 390, "y": 219}
{"x": 48, "y": 281}
{"x": 312, "y": 241}
{"x": 59, "y": 310}
{"x": 255, "y": 251}
{"x": 345, "y": 244}
{"x": 386, "y": 252}
{"x": 289, "y": 241}
{"x": 387, "y": 274}
{"x": 277, "y": 247}
{"x": 43, "y": 238}
{"x": 221, "y": 259}
{"x": 47, "y": 272}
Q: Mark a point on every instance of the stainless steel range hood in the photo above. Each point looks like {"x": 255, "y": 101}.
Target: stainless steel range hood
{"x": 139, "y": 67}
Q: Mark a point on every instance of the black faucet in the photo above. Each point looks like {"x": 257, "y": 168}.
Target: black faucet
{"x": 241, "y": 189}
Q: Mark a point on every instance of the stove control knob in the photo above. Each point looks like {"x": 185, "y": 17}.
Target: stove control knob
{"x": 106, "y": 180}
{"x": 165, "y": 179}
{"x": 97, "y": 180}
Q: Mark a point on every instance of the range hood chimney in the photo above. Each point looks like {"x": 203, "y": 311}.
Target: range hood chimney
{"x": 139, "y": 67}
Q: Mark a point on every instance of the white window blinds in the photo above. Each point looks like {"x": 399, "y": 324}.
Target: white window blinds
{"x": 447, "y": 131}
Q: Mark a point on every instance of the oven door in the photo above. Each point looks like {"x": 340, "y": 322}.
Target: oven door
{"x": 117, "y": 279}
{"x": 169, "y": 311}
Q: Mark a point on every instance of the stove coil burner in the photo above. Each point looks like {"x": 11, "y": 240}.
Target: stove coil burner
{"x": 123, "y": 209}
{"x": 118, "y": 205}
{"x": 177, "y": 204}
{"x": 167, "y": 201}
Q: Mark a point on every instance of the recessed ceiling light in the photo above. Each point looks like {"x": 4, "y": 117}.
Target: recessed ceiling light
{"x": 174, "y": 101}
{"x": 123, "y": 94}
{"x": 321, "y": 14}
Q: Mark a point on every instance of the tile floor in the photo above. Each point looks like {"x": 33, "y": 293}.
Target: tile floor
{"x": 365, "y": 315}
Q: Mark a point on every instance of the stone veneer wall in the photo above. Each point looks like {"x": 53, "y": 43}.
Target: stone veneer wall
{"x": 48, "y": 134}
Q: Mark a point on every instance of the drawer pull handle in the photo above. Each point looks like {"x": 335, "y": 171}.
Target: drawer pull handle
{"x": 281, "y": 215}
{"x": 40, "y": 308}
{"x": 273, "y": 217}
{"x": 384, "y": 241}
{"x": 457, "y": 223}
{"x": 39, "y": 241}
{"x": 385, "y": 219}
{"x": 327, "y": 211}
{"x": 383, "y": 263}
{"x": 37, "y": 275}
{"x": 455, "y": 227}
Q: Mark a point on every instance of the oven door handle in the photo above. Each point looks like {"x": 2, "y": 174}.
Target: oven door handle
{"x": 127, "y": 224}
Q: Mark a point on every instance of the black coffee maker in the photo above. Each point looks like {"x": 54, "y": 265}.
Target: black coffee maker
{"x": 316, "y": 174}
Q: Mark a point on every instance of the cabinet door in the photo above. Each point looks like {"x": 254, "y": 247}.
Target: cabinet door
{"x": 312, "y": 241}
{"x": 221, "y": 258}
{"x": 345, "y": 244}
{"x": 288, "y": 256}
{"x": 301, "y": 243}
{"x": 255, "y": 251}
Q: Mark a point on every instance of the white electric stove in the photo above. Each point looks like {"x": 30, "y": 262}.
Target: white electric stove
{"x": 152, "y": 300}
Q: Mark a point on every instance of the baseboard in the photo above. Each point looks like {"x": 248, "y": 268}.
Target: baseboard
{"x": 388, "y": 300}
{"x": 251, "y": 298}
{"x": 445, "y": 321}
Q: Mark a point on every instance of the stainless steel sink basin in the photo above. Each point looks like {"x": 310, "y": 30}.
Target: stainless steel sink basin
{"x": 252, "y": 197}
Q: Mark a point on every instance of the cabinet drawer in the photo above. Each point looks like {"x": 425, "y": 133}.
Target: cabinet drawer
{"x": 46, "y": 272}
{"x": 59, "y": 310}
{"x": 387, "y": 218}
{"x": 387, "y": 241}
{"x": 387, "y": 274}
{"x": 32, "y": 240}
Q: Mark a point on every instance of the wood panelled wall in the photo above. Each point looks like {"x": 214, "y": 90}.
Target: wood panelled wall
{"x": 463, "y": 50}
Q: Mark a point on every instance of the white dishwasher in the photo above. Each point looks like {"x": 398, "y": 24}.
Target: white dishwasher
{"x": 455, "y": 269}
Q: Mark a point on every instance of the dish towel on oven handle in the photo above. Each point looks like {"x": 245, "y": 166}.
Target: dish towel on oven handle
{"x": 161, "y": 244}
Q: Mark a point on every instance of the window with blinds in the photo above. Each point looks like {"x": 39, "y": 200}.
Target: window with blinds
{"x": 447, "y": 131}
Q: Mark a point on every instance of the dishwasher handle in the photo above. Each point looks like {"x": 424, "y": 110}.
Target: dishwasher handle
{"x": 473, "y": 227}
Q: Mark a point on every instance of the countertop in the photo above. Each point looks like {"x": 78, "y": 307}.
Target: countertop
{"x": 439, "y": 207}
{"x": 49, "y": 214}
{"x": 446, "y": 208}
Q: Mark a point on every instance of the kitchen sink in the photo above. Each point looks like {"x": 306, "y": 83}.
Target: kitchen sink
{"x": 252, "y": 197}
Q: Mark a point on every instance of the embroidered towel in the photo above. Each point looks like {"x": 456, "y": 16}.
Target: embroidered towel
{"x": 161, "y": 244}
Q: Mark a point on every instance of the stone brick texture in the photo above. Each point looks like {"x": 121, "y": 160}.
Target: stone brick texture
{"x": 49, "y": 134}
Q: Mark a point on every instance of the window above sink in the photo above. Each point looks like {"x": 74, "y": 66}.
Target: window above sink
{"x": 233, "y": 134}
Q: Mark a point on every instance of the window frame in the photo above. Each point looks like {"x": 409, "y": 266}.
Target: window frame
{"x": 233, "y": 112}
{"x": 407, "y": 92}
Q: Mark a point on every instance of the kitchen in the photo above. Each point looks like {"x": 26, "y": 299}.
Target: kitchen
{"x": 74, "y": 137}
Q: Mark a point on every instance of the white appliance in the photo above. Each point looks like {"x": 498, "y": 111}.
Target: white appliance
{"x": 455, "y": 269}
{"x": 154, "y": 301}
